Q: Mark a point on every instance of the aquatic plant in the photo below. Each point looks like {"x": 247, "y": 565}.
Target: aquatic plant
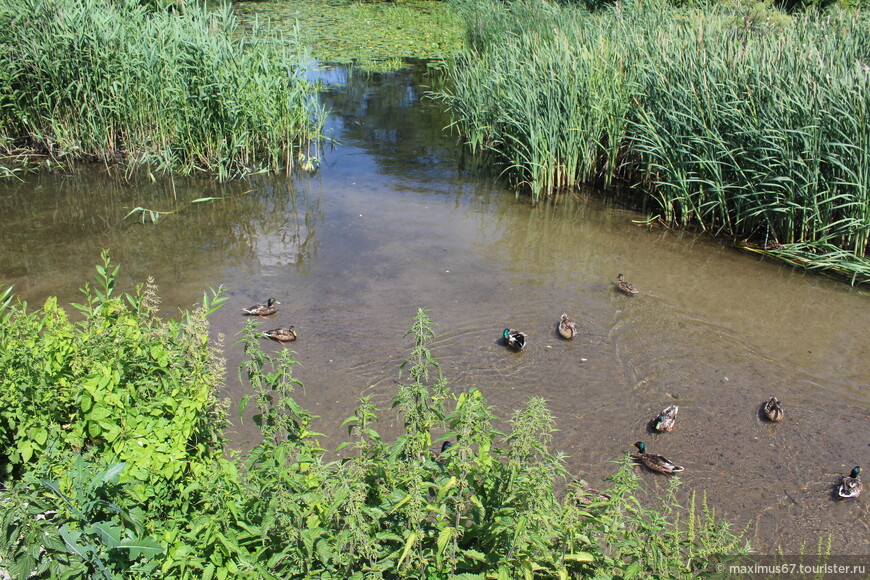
{"x": 376, "y": 36}
{"x": 753, "y": 130}
{"x": 175, "y": 91}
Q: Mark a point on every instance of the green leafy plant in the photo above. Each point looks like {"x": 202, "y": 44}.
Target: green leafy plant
{"x": 76, "y": 526}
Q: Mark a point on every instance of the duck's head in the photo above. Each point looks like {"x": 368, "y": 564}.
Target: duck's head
{"x": 507, "y": 333}
{"x": 640, "y": 446}
{"x": 272, "y": 301}
{"x": 855, "y": 471}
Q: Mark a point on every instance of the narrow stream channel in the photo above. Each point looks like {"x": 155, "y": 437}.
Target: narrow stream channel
{"x": 390, "y": 223}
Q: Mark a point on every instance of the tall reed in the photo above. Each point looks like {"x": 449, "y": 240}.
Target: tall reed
{"x": 728, "y": 124}
{"x": 181, "y": 92}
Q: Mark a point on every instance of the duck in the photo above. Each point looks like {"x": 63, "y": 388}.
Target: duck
{"x": 773, "y": 410}
{"x": 584, "y": 495}
{"x": 262, "y": 310}
{"x": 281, "y": 334}
{"x": 567, "y": 328}
{"x": 664, "y": 421}
{"x": 626, "y": 287}
{"x": 655, "y": 462}
{"x": 851, "y": 485}
{"x": 514, "y": 338}
{"x": 436, "y": 455}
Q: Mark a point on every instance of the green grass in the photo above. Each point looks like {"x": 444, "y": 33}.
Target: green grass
{"x": 750, "y": 127}
{"x": 180, "y": 91}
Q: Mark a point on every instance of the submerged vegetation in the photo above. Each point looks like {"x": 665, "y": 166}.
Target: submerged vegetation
{"x": 114, "y": 465}
{"x": 169, "y": 90}
{"x": 731, "y": 122}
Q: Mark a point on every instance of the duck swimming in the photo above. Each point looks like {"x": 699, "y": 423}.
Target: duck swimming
{"x": 281, "y": 334}
{"x": 262, "y": 310}
{"x": 514, "y": 338}
{"x": 567, "y": 328}
{"x": 655, "y": 462}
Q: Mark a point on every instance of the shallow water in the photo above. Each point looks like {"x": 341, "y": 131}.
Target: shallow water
{"x": 389, "y": 224}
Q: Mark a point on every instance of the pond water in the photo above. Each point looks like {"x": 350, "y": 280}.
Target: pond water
{"x": 391, "y": 222}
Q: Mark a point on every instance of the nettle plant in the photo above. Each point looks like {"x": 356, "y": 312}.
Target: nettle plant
{"x": 485, "y": 507}
{"x": 122, "y": 383}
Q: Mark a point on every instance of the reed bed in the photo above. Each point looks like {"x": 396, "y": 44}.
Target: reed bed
{"x": 726, "y": 125}
{"x": 174, "y": 91}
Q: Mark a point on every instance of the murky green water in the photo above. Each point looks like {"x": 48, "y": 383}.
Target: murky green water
{"x": 390, "y": 223}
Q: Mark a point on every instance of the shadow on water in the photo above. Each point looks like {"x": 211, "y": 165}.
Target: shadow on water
{"x": 389, "y": 223}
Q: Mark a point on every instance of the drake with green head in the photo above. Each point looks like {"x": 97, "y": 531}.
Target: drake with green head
{"x": 851, "y": 485}
{"x": 655, "y": 462}
{"x": 664, "y": 421}
{"x": 514, "y": 338}
{"x": 281, "y": 334}
{"x": 262, "y": 310}
{"x": 567, "y": 328}
{"x": 773, "y": 410}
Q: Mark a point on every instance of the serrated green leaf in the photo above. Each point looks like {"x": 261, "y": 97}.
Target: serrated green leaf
{"x": 71, "y": 538}
{"x": 109, "y": 534}
{"x": 409, "y": 543}
{"x": 579, "y": 557}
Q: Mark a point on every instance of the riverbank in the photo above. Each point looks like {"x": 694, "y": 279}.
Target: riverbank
{"x": 749, "y": 129}
{"x": 138, "y": 88}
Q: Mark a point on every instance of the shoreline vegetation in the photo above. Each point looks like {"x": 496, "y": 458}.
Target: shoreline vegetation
{"x": 738, "y": 121}
{"x": 114, "y": 464}
{"x": 171, "y": 89}
{"x": 751, "y": 125}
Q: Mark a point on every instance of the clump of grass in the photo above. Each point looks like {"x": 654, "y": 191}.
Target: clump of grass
{"x": 179, "y": 91}
{"x": 750, "y": 127}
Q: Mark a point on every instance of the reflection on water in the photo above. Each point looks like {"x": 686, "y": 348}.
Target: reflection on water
{"x": 389, "y": 224}
{"x": 55, "y": 227}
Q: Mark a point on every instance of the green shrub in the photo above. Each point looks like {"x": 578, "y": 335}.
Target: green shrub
{"x": 122, "y": 383}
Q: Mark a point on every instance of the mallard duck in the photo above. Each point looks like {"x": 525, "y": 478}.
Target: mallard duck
{"x": 262, "y": 310}
{"x": 773, "y": 410}
{"x": 582, "y": 494}
{"x": 851, "y": 485}
{"x": 567, "y": 328}
{"x": 655, "y": 462}
{"x": 281, "y": 334}
{"x": 514, "y": 338}
{"x": 664, "y": 421}
{"x": 626, "y": 287}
